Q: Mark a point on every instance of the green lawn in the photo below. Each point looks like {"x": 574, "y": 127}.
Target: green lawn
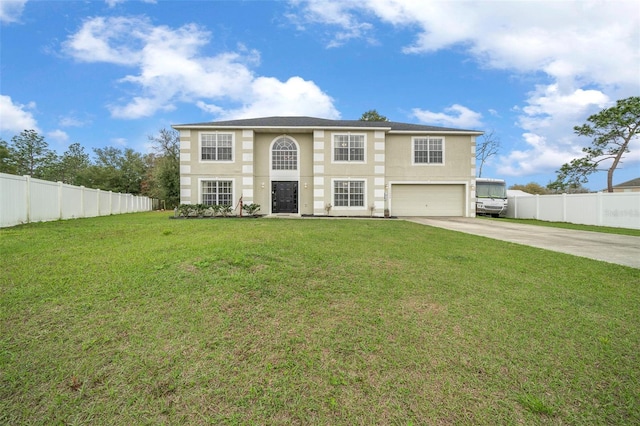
{"x": 139, "y": 319}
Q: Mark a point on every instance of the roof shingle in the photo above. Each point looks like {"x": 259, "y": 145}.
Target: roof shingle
{"x": 313, "y": 122}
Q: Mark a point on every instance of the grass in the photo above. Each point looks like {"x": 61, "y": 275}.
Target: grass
{"x": 138, "y": 319}
{"x": 567, "y": 225}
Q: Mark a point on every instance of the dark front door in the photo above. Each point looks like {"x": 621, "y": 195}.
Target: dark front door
{"x": 284, "y": 197}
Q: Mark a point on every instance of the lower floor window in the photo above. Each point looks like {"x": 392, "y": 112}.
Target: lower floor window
{"x": 348, "y": 193}
{"x": 217, "y": 192}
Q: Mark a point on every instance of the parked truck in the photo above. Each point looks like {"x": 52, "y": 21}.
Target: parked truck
{"x": 491, "y": 197}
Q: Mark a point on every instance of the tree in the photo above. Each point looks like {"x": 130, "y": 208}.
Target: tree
{"x": 531, "y": 188}
{"x": 372, "y": 115}
{"x": 612, "y": 130}
{"x": 6, "y": 165}
{"x": 488, "y": 147}
{"x": 30, "y": 154}
{"x": 67, "y": 168}
{"x": 164, "y": 177}
{"x": 115, "y": 170}
{"x": 572, "y": 188}
{"x": 73, "y": 162}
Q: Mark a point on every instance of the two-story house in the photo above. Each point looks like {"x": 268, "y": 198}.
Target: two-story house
{"x": 314, "y": 166}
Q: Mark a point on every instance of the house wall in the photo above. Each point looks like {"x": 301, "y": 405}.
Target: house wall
{"x": 388, "y": 158}
{"x": 263, "y": 176}
{"x": 458, "y": 167}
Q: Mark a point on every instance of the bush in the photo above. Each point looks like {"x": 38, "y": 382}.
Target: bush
{"x": 251, "y": 209}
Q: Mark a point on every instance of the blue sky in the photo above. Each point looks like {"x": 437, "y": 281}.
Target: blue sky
{"x": 111, "y": 73}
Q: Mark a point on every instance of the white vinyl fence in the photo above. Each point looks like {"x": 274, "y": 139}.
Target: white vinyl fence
{"x": 24, "y": 200}
{"x": 615, "y": 209}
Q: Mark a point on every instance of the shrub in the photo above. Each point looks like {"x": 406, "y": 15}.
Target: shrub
{"x": 251, "y": 209}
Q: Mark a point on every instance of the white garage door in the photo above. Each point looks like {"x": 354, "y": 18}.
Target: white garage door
{"x": 427, "y": 200}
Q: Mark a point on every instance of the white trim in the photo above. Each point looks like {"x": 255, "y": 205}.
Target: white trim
{"x": 293, "y": 129}
{"x": 217, "y": 179}
{"x": 413, "y": 150}
{"x": 284, "y": 174}
{"x": 333, "y": 148}
{"x": 233, "y": 147}
{"x": 348, "y": 179}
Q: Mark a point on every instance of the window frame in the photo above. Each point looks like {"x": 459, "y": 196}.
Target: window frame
{"x": 336, "y": 181}
{"x": 272, "y": 149}
{"x": 201, "y": 197}
{"x": 428, "y": 151}
{"x": 216, "y": 134}
{"x": 334, "y": 148}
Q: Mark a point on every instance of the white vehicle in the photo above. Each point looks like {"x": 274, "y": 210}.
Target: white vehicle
{"x": 491, "y": 197}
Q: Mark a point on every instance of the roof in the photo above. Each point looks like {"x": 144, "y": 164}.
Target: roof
{"x": 309, "y": 123}
{"x": 632, "y": 182}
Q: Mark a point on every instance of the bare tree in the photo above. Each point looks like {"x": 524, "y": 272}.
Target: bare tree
{"x": 488, "y": 147}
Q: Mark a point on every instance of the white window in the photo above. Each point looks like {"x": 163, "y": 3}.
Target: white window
{"x": 284, "y": 155}
{"x": 216, "y": 146}
{"x": 348, "y": 147}
{"x": 348, "y": 193}
{"x": 428, "y": 150}
{"x": 217, "y": 192}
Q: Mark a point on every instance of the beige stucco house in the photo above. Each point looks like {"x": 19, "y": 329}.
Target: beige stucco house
{"x": 303, "y": 165}
{"x": 632, "y": 185}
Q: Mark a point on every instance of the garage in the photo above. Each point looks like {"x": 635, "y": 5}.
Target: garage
{"x": 427, "y": 200}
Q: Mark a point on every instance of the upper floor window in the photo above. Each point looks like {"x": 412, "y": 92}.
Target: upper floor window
{"x": 284, "y": 155}
{"x": 216, "y": 146}
{"x": 348, "y": 147}
{"x": 428, "y": 150}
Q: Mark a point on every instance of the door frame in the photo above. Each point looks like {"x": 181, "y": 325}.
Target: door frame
{"x": 274, "y": 189}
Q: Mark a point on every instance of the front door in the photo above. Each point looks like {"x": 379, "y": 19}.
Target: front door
{"x": 284, "y": 197}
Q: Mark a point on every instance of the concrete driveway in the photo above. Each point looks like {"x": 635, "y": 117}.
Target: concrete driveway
{"x": 620, "y": 249}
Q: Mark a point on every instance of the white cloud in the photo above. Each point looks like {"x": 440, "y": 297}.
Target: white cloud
{"x": 113, "y": 3}
{"x": 548, "y": 121}
{"x": 170, "y": 69}
{"x": 11, "y": 10}
{"x": 454, "y": 116}
{"x": 555, "y": 41}
{"x": 269, "y": 96}
{"x": 72, "y": 121}
{"x": 336, "y": 14}
{"x": 558, "y": 38}
{"x": 119, "y": 142}
{"x": 58, "y": 136}
{"x": 16, "y": 117}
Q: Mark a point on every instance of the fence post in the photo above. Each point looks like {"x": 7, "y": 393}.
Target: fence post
{"x": 59, "y": 200}
{"x": 82, "y": 201}
{"x": 599, "y": 209}
{"x": 537, "y": 207}
{"x": 28, "y": 196}
{"x": 564, "y": 206}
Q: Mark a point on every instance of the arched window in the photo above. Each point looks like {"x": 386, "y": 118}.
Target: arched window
{"x": 284, "y": 155}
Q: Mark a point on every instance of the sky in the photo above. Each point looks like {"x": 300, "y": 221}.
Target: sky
{"x": 114, "y": 72}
